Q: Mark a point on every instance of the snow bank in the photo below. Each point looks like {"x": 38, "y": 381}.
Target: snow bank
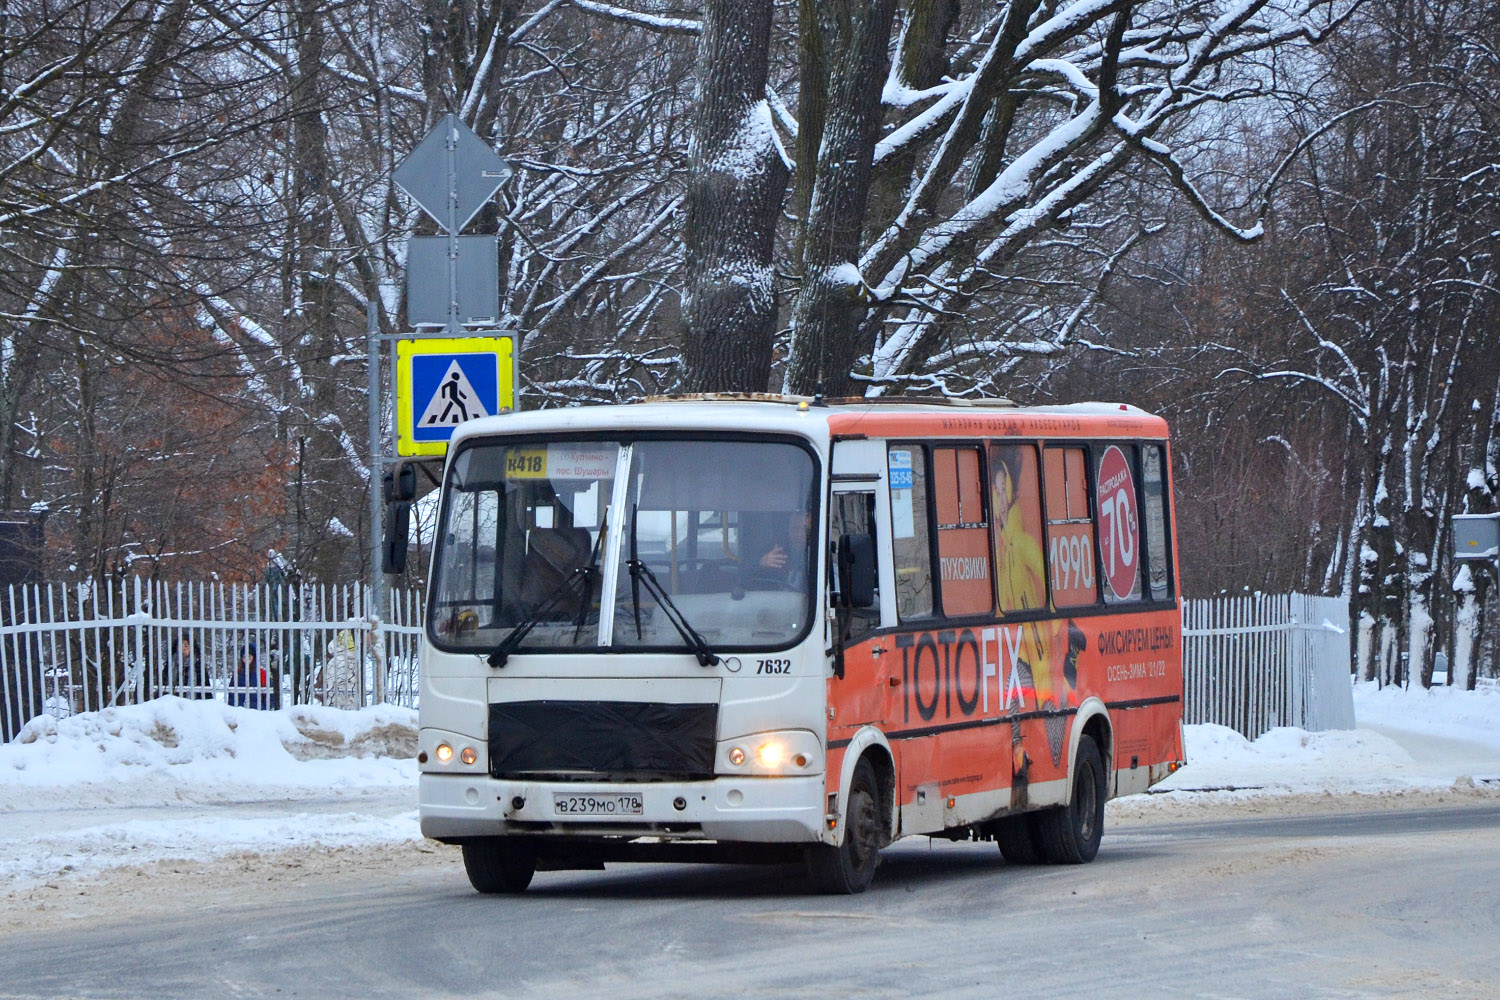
{"x": 1285, "y": 761}
{"x": 1405, "y": 740}
{"x": 190, "y": 836}
{"x": 205, "y": 751}
{"x": 200, "y": 780}
{"x": 1441, "y": 711}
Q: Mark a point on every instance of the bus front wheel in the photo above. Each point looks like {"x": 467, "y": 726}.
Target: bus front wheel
{"x": 850, "y": 867}
{"x": 498, "y": 864}
{"x": 1070, "y": 835}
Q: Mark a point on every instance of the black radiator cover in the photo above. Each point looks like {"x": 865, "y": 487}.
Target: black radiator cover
{"x": 618, "y": 738}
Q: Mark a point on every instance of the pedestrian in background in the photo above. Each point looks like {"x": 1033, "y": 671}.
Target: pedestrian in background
{"x": 187, "y": 670}
{"x": 251, "y": 687}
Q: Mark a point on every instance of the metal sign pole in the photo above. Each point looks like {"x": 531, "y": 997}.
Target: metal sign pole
{"x": 377, "y": 532}
{"x": 451, "y": 124}
{"x": 452, "y": 280}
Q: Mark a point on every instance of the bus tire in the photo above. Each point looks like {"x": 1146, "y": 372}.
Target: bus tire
{"x": 1018, "y": 840}
{"x": 849, "y": 868}
{"x": 498, "y": 865}
{"x": 1070, "y": 834}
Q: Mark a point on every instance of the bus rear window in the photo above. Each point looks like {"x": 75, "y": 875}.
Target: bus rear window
{"x": 1154, "y": 499}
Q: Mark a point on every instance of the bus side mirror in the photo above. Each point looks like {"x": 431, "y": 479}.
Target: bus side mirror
{"x": 400, "y": 489}
{"x": 393, "y": 546}
{"x": 400, "y": 485}
{"x": 857, "y": 570}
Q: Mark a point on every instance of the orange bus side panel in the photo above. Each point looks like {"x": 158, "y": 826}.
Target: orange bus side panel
{"x": 970, "y": 709}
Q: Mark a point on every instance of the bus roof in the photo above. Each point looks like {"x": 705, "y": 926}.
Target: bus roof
{"x": 1071, "y": 420}
{"x": 895, "y": 416}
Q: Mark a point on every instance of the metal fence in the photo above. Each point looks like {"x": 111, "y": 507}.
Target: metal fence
{"x": 1265, "y": 660}
{"x": 67, "y": 648}
{"x": 1250, "y": 663}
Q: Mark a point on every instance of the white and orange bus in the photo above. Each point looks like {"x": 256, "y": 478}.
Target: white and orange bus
{"x": 769, "y": 628}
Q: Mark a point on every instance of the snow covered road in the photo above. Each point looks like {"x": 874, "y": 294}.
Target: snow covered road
{"x": 1385, "y": 903}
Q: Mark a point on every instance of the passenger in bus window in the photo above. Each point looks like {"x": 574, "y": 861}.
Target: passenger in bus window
{"x": 785, "y": 562}
{"x": 1018, "y": 548}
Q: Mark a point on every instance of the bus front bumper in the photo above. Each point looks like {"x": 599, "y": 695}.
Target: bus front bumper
{"x": 751, "y": 809}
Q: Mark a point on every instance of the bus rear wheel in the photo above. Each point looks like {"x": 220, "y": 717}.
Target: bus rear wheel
{"x": 850, "y": 867}
{"x": 498, "y": 865}
{"x": 1017, "y": 838}
{"x": 1070, "y": 835}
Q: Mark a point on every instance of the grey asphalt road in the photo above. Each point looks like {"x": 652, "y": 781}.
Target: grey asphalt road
{"x": 1372, "y": 904}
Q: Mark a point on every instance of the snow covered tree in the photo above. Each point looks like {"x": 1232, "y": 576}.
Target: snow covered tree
{"x": 1028, "y": 130}
{"x": 1334, "y": 389}
{"x": 230, "y": 165}
{"x": 959, "y": 198}
{"x": 1395, "y": 319}
{"x": 124, "y": 130}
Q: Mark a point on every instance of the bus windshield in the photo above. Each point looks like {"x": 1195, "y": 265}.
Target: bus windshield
{"x": 530, "y": 540}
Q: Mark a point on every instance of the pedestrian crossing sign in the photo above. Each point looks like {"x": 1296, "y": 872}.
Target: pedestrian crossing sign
{"x": 442, "y": 382}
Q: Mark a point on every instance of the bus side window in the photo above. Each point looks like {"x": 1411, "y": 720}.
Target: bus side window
{"x": 911, "y": 551}
{"x": 1153, "y": 464}
{"x": 1016, "y": 498}
{"x": 962, "y": 532}
{"x": 854, "y": 518}
{"x": 1119, "y": 505}
{"x": 1070, "y": 530}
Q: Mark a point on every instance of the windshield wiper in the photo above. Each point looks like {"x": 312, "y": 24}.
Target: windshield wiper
{"x": 640, "y": 572}
{"x": 591, "y": 572}
{"x": 587, "y": 574}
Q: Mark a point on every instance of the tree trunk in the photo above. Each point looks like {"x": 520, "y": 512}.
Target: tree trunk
{"x": 737, "y": 180}
{"x": 812, "y": 108}
{"x": 831, "y": 301}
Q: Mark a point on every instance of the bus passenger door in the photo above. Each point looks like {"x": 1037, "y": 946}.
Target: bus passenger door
{"x": 859, "y": 697}
{"x": 857, "y": 516}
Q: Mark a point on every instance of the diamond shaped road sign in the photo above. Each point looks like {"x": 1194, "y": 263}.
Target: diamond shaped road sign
{"x": 478, "y": 173}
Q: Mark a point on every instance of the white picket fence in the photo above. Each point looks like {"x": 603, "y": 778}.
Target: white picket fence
{"x": 1265, "y": 660}
{"x": 68, "y": 648}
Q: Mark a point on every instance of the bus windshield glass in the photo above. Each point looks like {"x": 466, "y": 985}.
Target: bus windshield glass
{"x": 713, "y": 530}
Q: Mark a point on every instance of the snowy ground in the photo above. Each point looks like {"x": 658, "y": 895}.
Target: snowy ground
{"x": 199, "y": 781}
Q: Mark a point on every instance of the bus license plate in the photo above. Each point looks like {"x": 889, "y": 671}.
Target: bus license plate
{"x": 604, "y": 804}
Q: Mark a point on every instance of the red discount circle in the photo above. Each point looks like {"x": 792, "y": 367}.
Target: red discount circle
{"x": 1119, "y": 524}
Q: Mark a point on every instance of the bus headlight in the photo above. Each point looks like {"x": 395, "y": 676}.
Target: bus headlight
{"x": 770, "y": 755}
{"x": 442, "y": 752}
{"x": 790, "y": 752}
